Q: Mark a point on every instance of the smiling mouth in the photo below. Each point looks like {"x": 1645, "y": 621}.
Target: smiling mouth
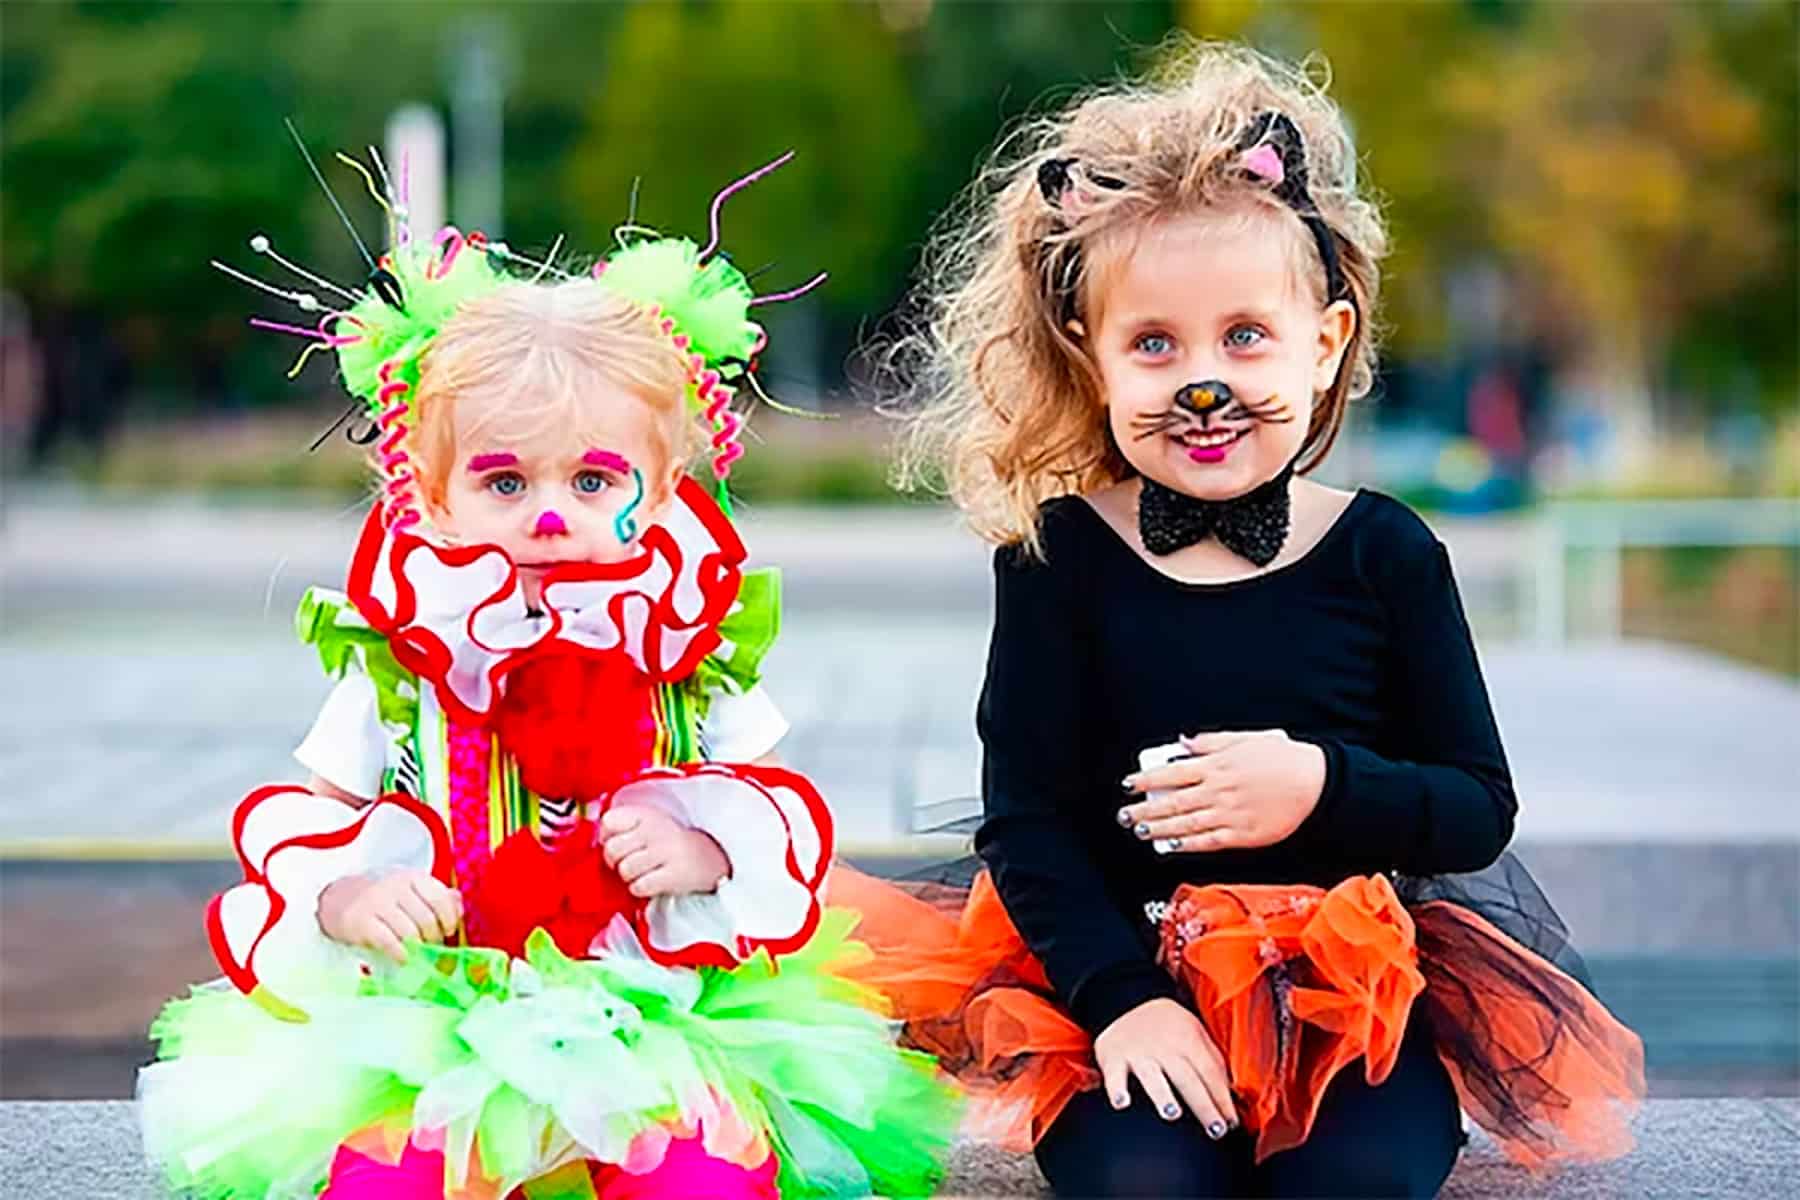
{"x": 1212, "y": 439}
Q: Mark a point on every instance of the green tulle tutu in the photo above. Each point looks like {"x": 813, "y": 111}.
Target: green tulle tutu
{"x": 518, "y": 1067}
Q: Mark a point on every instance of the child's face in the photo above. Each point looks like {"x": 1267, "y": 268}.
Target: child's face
{"x": 1201, "y": 300}
{"x": 555, "y": 496}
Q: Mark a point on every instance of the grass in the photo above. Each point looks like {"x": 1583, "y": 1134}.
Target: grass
{"x": 1743, "y": 603}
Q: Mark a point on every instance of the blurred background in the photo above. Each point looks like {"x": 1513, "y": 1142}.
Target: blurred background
{"x": 1590, "y": 388}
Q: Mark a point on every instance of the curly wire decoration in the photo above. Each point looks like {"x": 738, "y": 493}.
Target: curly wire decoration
{"x": 728, "y": 191}
{"x": 712, "y": 392}
{"x": 398, "y": 508}
{"x": 448, "y": 243}
{"x": 792, "y": 293}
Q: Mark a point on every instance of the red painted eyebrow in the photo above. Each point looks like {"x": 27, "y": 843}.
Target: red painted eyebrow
{"x": 609, "y": 459}
{"x": 487, "y": 462}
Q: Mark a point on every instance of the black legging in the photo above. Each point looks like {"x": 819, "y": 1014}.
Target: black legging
{"x": 1399, "y": 1139}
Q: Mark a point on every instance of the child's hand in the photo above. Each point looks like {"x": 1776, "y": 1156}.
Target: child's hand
{"x": 1240, "y": 790}
{"x": 383, "y": 911}
{"x": 1170, "y": 1052}
{"x": 656, "y": 855}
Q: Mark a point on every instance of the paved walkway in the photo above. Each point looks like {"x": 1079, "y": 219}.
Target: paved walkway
{"x": 154, "y": 678}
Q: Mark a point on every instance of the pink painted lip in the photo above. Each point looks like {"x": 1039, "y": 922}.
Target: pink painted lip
{"x": 1215, "y": 454}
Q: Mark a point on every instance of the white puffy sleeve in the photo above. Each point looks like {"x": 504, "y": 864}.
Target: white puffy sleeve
{"x": 774, "y": 827}
{"x": 741, "y": 727}
{"x": 347, "y": 745}
{"x": 291, "y": 844}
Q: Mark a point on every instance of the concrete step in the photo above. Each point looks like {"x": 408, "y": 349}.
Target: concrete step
{"x": 1722, "y": 1148}
{"x": 93, "y": 949}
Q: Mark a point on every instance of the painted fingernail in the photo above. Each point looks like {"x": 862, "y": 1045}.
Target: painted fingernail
{"x": 1216, "y": 1130}
{"x": 1142, "y": 831}
{"x": 1167, "y": 845}
{"x": 1125, "y": 817}
{"x": 1171, "y": 1111}
{"x": 1121, "y": 1100}
{"x": 1127, "y": 783}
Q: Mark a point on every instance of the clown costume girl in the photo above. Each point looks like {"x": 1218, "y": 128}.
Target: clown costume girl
{"x": 546, "y": 919}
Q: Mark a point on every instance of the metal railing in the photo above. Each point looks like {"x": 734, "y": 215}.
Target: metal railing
{"x": 1609, "y": 528}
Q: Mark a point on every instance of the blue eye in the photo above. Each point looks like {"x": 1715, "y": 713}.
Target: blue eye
{"x": 591, "y": 483}
{"x": 1154, "y": 344}
{"x": 506, "y": 484}
{"x": 1243, "y": 337}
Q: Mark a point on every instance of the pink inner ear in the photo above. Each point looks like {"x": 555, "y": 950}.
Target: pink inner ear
{"x": 1265, "y": 162}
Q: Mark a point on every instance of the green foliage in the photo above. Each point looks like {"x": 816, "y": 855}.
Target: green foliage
{"x": 1629, "y": 166}
{"x": 699, "y": 94}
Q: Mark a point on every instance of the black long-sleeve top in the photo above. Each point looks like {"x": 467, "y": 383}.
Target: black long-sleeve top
{"x": 1360, "y": 647}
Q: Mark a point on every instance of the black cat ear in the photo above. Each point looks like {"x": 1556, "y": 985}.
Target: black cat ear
{"x": 1053, "y": 179}
{"x": 1055, "y": 176}
{"x": 1278, "y": 131}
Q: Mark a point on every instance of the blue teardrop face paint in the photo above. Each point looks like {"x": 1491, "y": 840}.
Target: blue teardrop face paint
{"x": 625, "y": 526}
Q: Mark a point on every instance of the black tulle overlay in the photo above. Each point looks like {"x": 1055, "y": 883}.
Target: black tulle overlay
{"x": 1294, "y": 983}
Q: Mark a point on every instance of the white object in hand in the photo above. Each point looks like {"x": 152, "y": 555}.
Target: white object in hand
{"x": 1162, "y": 756}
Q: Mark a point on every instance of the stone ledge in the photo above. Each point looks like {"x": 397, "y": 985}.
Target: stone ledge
{"x": 1724, "y": 1147}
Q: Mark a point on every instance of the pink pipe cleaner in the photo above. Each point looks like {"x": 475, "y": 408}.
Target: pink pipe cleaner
{"x": 328, "y": 339}
{"x": 725, "y": 437}
{"x": 730, "y": 449}
{"x": 451, "y": 235}
{"x": 793, "y": 294}
{"x": 398, "y": 510}
{"x": 731, "y": 188}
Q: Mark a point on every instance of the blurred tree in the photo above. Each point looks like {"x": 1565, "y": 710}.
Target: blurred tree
{"x": 140, "y": 140}
{"x": 131, "y": 145}
{"x": 701, "y": 93}
{"x": 854, "y": 87}
{"x": 1628, "y": 168}
{"x": 1745, "y": 334}
{"x": 1628, "y": 174}
{"x": 980, "y": 67}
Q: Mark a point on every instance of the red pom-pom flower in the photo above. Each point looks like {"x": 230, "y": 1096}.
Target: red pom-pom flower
{"x": 578, "y": 723}
{"x": 570, "y": 891}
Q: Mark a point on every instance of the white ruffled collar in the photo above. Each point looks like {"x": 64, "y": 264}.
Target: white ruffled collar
{"x": 457, "y": 617}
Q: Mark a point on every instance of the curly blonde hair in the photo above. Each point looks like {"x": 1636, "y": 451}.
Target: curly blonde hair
{"x": 531, "y": 355}
{"x": 1002, "y": 400}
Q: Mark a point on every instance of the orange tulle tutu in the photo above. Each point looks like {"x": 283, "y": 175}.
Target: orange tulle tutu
{"x": 1294, "y": 984}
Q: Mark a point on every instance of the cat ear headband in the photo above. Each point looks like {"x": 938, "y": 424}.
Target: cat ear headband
{"x": 1270, "y": 150}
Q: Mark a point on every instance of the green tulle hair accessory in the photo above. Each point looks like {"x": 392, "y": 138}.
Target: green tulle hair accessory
{"x": 697, "y": 296}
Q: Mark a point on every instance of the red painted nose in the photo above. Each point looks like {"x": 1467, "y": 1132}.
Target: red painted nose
{"x": 549, "y": 524}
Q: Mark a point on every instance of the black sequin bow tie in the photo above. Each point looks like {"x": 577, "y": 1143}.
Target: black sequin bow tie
{"x": 1253, "y": 526}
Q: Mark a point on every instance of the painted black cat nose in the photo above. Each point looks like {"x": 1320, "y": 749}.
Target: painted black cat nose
{"x": 1203, "y": 399}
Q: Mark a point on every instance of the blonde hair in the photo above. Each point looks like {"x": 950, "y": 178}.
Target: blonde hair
{"x": 1003, "y": 402}
{"x": 532, "y": 355}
